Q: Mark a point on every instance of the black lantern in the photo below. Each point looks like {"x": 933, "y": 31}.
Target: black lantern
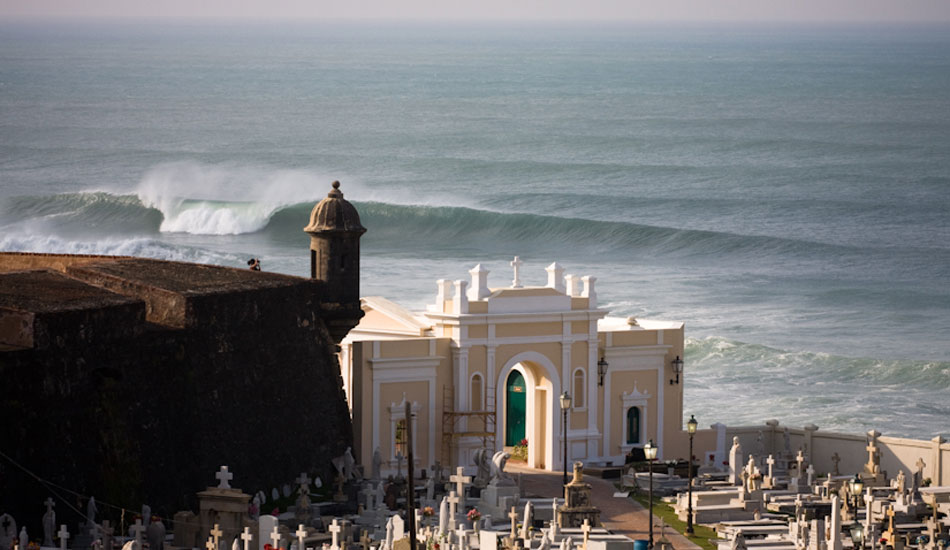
{"x": 677, "y": 369}
{"x": 602, "y": 370}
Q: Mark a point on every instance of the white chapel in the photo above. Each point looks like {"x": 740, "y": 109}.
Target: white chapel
{"x": 486, "y": 366}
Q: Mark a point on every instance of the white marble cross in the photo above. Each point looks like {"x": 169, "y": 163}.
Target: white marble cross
{"x": 771, "y": 462}
{"x": 63, "y": 535}
{"x": 137, "y": 531}
{"x": 246, "y": 536}
{"x": 210, "y": 545}
{"x": 516, "y": 266}
{"x": 513, "y": 514}
{"x": 275, "y": 537}
{"x": 453, "y": 500}
{"x": 224, "y": 476}
{"x": 811, "y": 475}
{"x": 800, "y": 459}
{"x": 460, "y": 480}
{"x": 301, "y": 533}
{"x": 463, "y": 537}
{"x": 586, "y": 530}
{"x": 335, "y": 529}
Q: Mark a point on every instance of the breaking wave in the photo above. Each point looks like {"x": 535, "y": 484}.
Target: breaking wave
{"x": 143, "y": 247}
{"x": 281, "y": 214}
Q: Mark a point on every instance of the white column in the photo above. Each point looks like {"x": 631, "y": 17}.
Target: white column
{"x": 589, "y": 291}
{"x": 555, "y": 277}
{"x": 479, "y": 288}
{"x": 573, "y": 282}
{"x": 460, "y": 300}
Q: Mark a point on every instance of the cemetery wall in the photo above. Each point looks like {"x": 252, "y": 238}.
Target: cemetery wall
{"x": 896, "y": 453}
{"x": 136, "y": 412}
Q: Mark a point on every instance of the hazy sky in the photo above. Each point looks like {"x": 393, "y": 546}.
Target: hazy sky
{"x": 633, "y": 10}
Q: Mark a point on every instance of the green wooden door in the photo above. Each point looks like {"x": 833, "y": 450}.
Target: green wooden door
{"x": 514, "y": 413}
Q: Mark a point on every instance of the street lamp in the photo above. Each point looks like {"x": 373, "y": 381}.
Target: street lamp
{"x": 602, "y": 370}
{"x": 857, "y": 487}
{"x": 565, "y": 405}
{"x": 691, "y": 428}
{"x": 857, "y": 535}
{"x": 650, "y": 451}
{"x": 677, "y": 365}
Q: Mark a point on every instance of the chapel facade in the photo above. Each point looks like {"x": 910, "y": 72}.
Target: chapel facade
{"x": 485, "y": 366}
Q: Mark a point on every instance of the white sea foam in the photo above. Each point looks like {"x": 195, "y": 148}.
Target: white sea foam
{"x": 138, "y": 247}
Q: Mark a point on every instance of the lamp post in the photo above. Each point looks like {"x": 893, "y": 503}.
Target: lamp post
{"x": 691, "y": 428}
{"x": 650, "y": 451}
{"x": 856, "y": 487}
{"x": 565, "y": 405}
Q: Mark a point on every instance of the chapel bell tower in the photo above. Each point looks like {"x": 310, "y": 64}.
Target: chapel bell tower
{"x": 335, "y": 232}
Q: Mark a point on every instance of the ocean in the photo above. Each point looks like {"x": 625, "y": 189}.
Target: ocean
{"x": 783, "y": 190}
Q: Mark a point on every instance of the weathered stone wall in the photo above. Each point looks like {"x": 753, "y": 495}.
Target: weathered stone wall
{"x": 149, "y": 414}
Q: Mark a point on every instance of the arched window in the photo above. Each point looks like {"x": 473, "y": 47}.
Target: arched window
{"x": 633, "y": 425}
{"x": 579, "y": 389}
{"x": 477, "y": 392}
{"x": 402, "y": 438}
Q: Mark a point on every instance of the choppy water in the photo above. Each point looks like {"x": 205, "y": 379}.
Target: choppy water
{"x": 784, "y": 191}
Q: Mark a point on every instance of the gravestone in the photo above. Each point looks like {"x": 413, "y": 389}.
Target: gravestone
{"x": 578, "y": 506}
{"x": 266, "y": 525}
{"x": 49, "y": 522}
{"x": 223, "y": 505}
{"x": 735, "y": 461}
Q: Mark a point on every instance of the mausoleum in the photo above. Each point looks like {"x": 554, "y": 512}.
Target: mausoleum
{"x": 485, "y": 365}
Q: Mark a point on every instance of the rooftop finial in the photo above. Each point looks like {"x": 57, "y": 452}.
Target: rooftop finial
{"x": 336, "y": 184}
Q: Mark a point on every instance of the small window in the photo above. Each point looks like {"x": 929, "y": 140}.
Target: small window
{"x": 579, "y": 389}
{"x": 633, "y": 425}
{"x": 402, "y": 438}
{"x": 477, "y": 392}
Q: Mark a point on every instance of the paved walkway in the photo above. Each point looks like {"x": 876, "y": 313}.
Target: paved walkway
{"x": 621, "y": 515}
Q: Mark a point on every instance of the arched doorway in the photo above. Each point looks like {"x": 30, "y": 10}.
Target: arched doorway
{"x": 516, "y": 406}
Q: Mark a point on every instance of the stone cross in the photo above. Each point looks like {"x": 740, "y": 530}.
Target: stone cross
{"x": 246, "y": 537}
{"x": 890, "y": 524}
{"x": 50, "y": 503}
{"x": 800, "y": 459}
{"x": 137, "y": 531}
{"x": 63, "y": 535}
{"x": 365, "y": 540}
{"x": 516, "y": 266}
{"x": 460, "y": 480}
{"x": 811, "y": 475}
{"x": 224, "y": 476}
{"x": 217, "y": 533}
{"x": 301, "y": 533}
{"x": 586, "y": 530}
{"x": 835, "y": 459}
{"x": 453, "y": 500}
{"x": 335, "y": 529}
{"x": 514, "y": 522}
{"x": 771, "y": 462}
{"x": 275, "y": 537}
{"x": 873, "y": 465}
{"x": 463, "y": 538}
{"x": 920, "y": 465}
{"x": 210, "y": 545}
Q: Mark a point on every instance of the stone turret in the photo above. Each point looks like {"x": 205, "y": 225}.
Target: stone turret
{"x": 335, "y": 232}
